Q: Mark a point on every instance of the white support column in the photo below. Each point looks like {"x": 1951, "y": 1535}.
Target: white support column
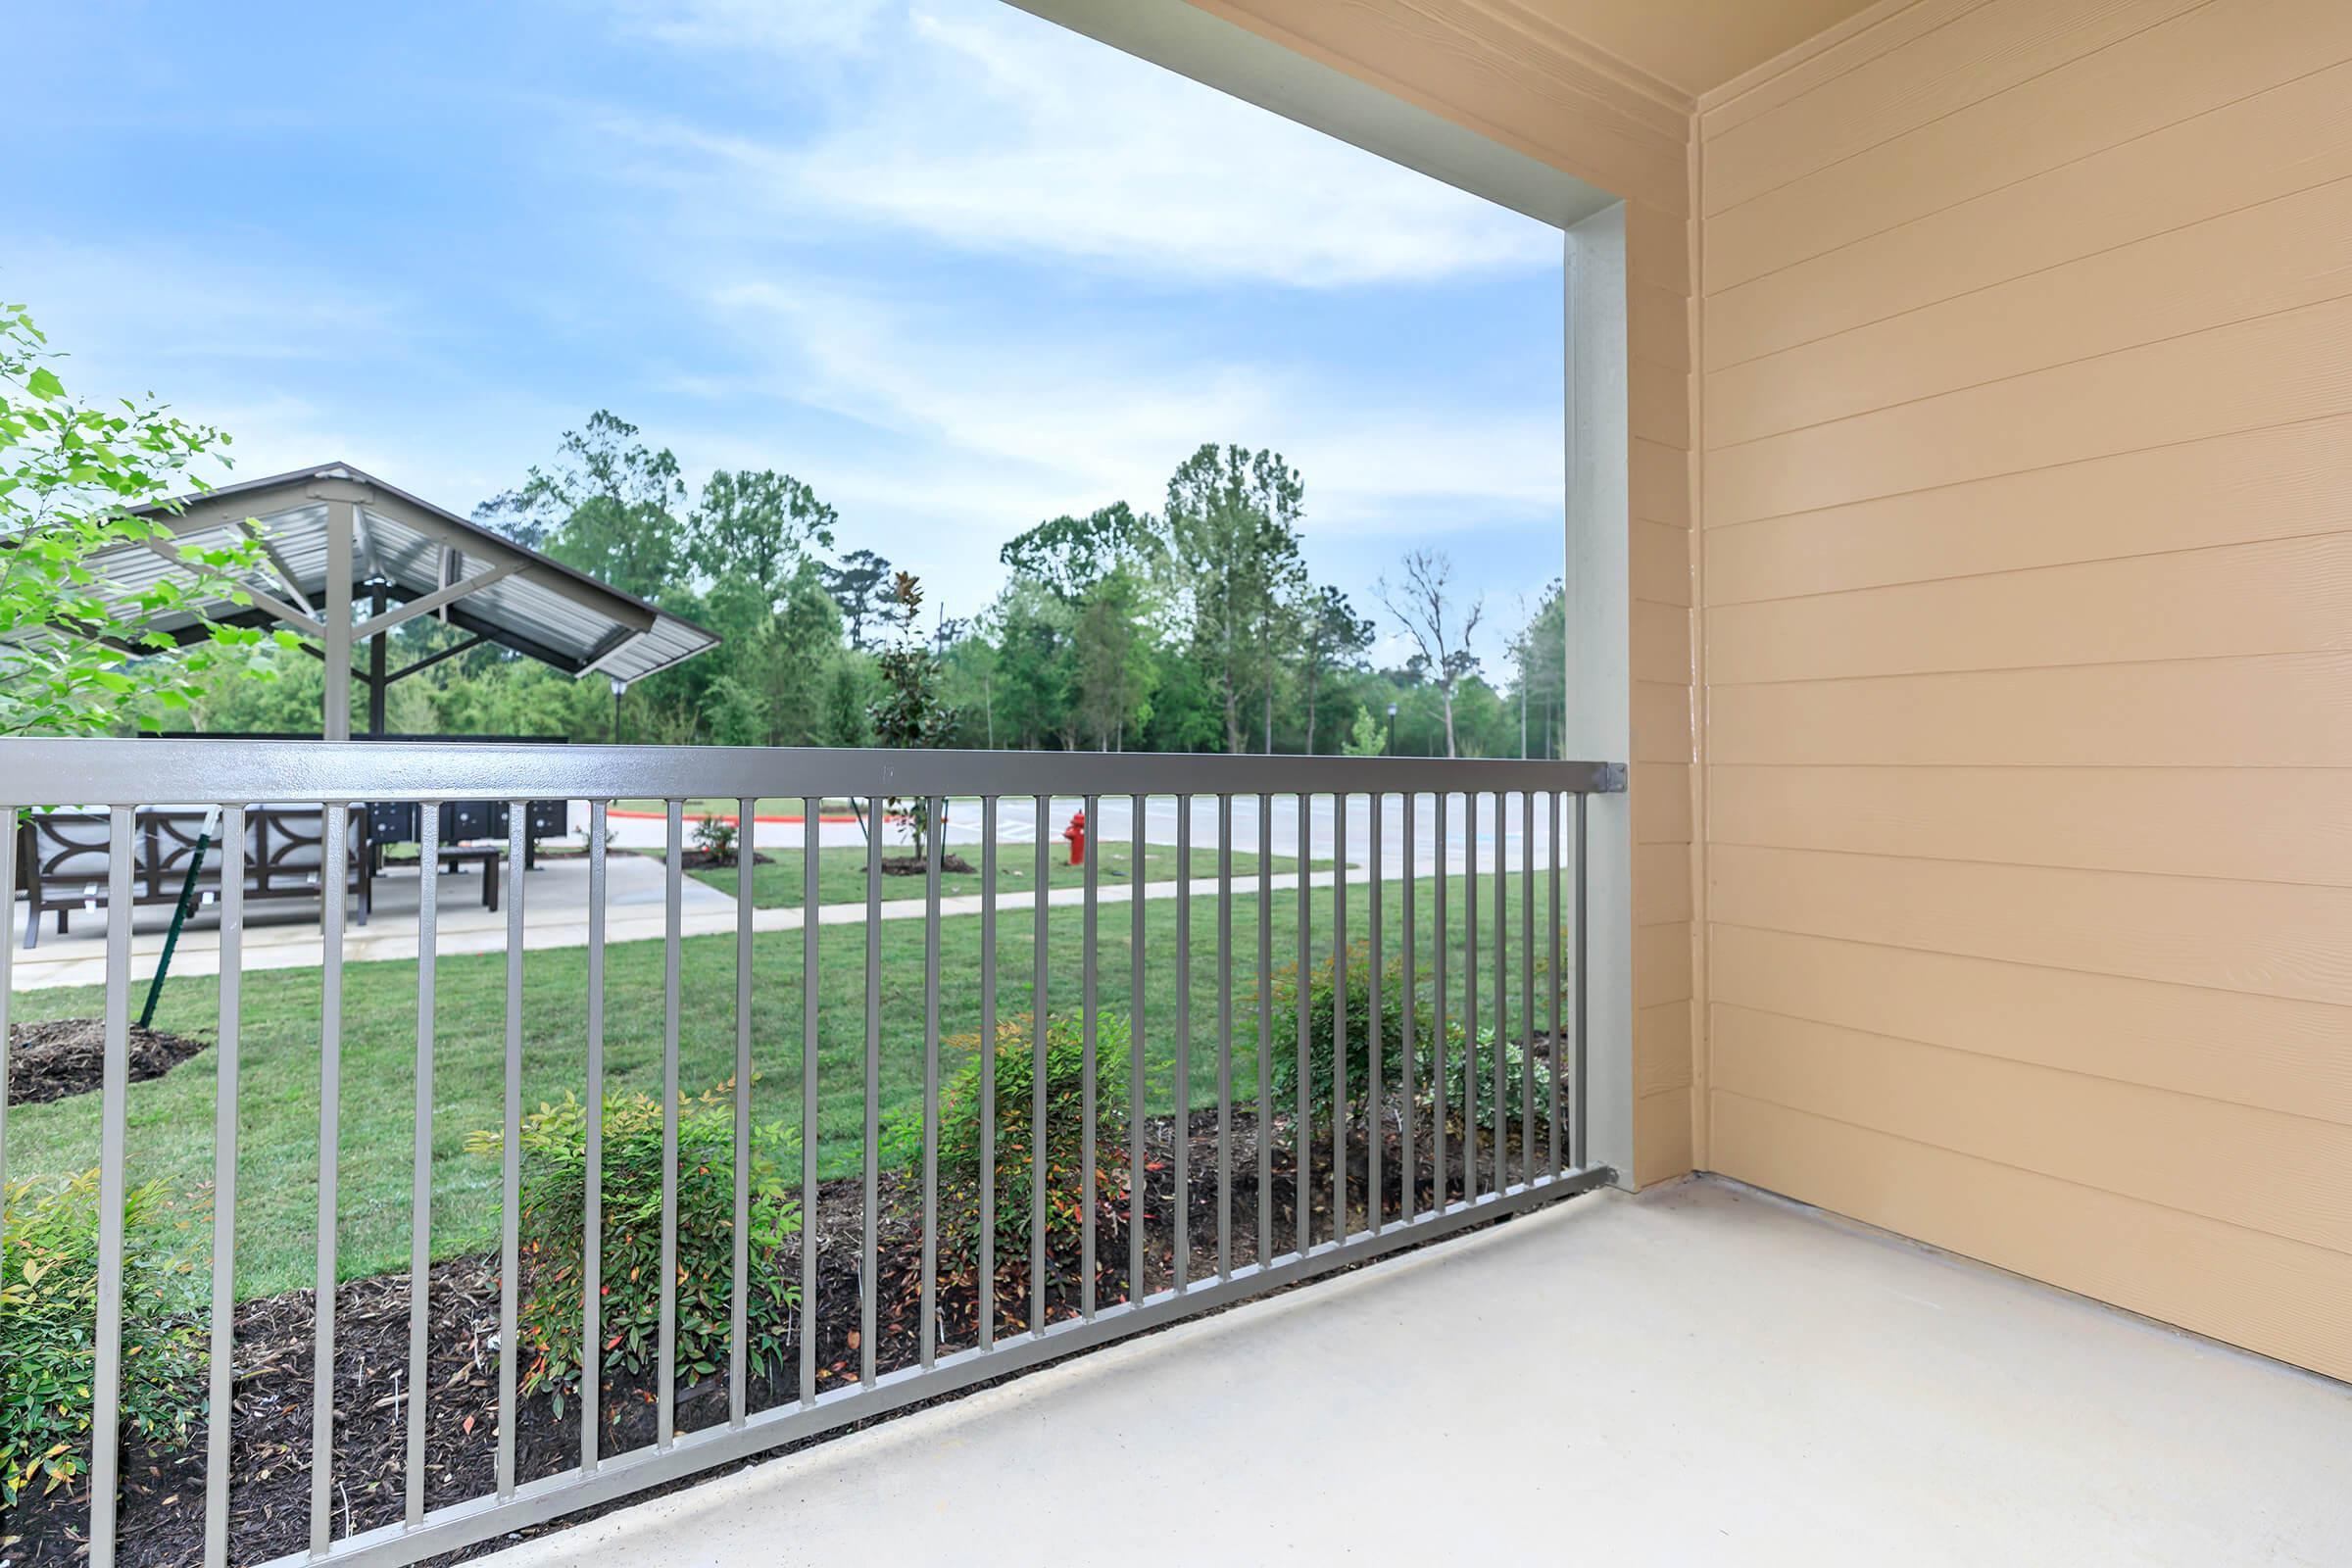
{"x": 335, "y": 608}
{"x": 1599, "y": 617}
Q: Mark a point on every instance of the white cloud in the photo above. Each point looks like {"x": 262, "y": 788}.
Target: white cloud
{"x": 774, "y": 27}
{"x": 1061, "y": 424}
{"x": 994, "y": 131}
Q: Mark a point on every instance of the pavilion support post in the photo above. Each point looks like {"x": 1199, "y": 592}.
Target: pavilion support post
{"x": 336, "y": 612}
{"x": 377, "y": 650}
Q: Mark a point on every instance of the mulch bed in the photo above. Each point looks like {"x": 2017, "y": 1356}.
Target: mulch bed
{"x": 704, "y": 860}
{"x": 68, "y": 1057}
{"x": 949, "y": 864}
{"x": 162, "y": 1501}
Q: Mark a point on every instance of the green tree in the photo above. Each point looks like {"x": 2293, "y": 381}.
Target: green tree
{"x": 77, "y": 656}
{"x": 859, "y": 585}
{"x": 909, "y": 713}
{"x": 1112, "y": 650}
{"x": 757, "y": 528}
{"x": 1365, "y": 737}
{"x": 1539, "y": 673}
{"x": 608, "y": 507}
{"x": 738, "y": 714}
{"x": 1332, "y": 637}
{"x": 1067, "y": 556}
{"x": 1232, "y": 522}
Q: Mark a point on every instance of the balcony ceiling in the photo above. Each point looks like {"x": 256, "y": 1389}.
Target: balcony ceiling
{"x": 1696, "y": 44}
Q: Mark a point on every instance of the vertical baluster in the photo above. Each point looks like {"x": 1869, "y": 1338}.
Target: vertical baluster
{"x": 1502, "y": 993}
{"x": 1339, "y": 1018}
{"x": 1409, "y": 1172}
{"x": 1265, "y": 1029}
{"x": 868, "y": 1258}
{"x": 667, "y": 1341}
{"x": 1469, "y": 996}
{"x": 1086, "y": 1093}
{"x": 739, "y": 1316}
{"x": 988, "y": 1072}
{"x": 106, "y": 1383}
{"x": 1375, "y": 1114}
{"x": 334, "y": 858}
{"x": 1137, "y": 861}
{"x": 1579, "y": 1151}
{"x": 509, "y": 1252}
{"x": 227, "y": 1055}
{"x": 1551, "y": 834}
{"x": 1037, "y": 1070}
{"x": 927, "y": 1313}
{"x": 1180, "y": 1210}
{"x": 812, "y": 807}
{"x": 1224, "y": 1036}
{"x": 421, "y": 1182}
{"x": 1527, "y": 985}
{"x": 1440, "y": 1186}
{"x": 591, "y": 1206}
{"x": 1302, "y": 1129}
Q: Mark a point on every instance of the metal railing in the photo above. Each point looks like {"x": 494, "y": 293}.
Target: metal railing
{"x": 1406, "y": 916}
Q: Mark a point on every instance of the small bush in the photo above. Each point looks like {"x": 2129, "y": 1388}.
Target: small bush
{"x": 715, "y": 836}
{"x": 1320, "y": 1011}
{"x": 48, "y": 1318}
{"x": 555, "y": 1186}
{"x": 1065, "y": 1141}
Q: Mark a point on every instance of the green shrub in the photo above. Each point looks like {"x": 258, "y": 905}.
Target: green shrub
{"x": 1065, "y": 1126}
{"x": 555, "y": 1186}
{"x": 715, "y": 836}
{"x": 1320, "y": 1008}
{"x": 48, "y": 1319}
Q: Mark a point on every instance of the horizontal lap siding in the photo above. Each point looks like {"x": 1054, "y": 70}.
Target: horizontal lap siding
{"x": 1503, "y": 69}
{"x": 2026, "y": 585}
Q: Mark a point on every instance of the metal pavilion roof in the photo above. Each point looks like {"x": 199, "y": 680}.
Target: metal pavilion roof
{"x": 475, "y": 579}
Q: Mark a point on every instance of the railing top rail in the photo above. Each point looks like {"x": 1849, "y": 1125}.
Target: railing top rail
{"x": 132, "y": 772}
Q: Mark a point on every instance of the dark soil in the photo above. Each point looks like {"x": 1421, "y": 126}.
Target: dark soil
{"x": 162, "y": 1501}
{"x": 68, "y": 1057}
{"x": 704, "y": 860}
{"x": 949, "y": 864}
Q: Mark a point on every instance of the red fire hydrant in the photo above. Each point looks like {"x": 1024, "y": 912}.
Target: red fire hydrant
{"x": 1076, "y": 834}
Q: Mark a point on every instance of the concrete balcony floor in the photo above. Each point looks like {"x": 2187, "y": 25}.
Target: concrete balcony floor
{"x": 1702, "y": 1374}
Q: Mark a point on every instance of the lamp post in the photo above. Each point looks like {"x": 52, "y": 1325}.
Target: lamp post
{"x": 618, "y": 686}
{"x": 1389, "y": 748}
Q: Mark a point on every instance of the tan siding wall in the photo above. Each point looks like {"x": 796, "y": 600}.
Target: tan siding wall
{"x": 2027, "y": 588}
{"x": 1499, "y": 68}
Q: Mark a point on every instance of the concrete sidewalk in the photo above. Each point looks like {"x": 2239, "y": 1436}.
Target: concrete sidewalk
{"x": 1700, "y": 1375}
{"x": 285, "y": 934}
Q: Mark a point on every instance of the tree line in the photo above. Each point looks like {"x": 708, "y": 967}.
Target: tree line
{"x": 1194, "y": 628}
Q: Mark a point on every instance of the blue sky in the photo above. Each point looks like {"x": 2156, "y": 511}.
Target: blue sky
{"x": 957, "y": 268}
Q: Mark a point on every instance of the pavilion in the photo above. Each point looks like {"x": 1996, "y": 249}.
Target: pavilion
{"x": 336, "y": 538}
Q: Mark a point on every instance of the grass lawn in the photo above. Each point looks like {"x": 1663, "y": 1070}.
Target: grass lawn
{"x": 169, "y": 1119}
{"x": 841, "y": 871}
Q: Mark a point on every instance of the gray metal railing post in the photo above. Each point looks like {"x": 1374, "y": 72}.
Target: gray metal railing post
{"x": 421, "y": 1179}
{"x": 230, "y": 1051}
{"x": 987, "y": 1281}
{"x": 666, "y": 1405}
{"x": 334, "y": 853}
{"x": 739, "y": 1301}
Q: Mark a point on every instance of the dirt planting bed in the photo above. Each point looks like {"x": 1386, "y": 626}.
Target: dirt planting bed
{"x": 68, "y": 1057}
{"x": 162, "y": 1494}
